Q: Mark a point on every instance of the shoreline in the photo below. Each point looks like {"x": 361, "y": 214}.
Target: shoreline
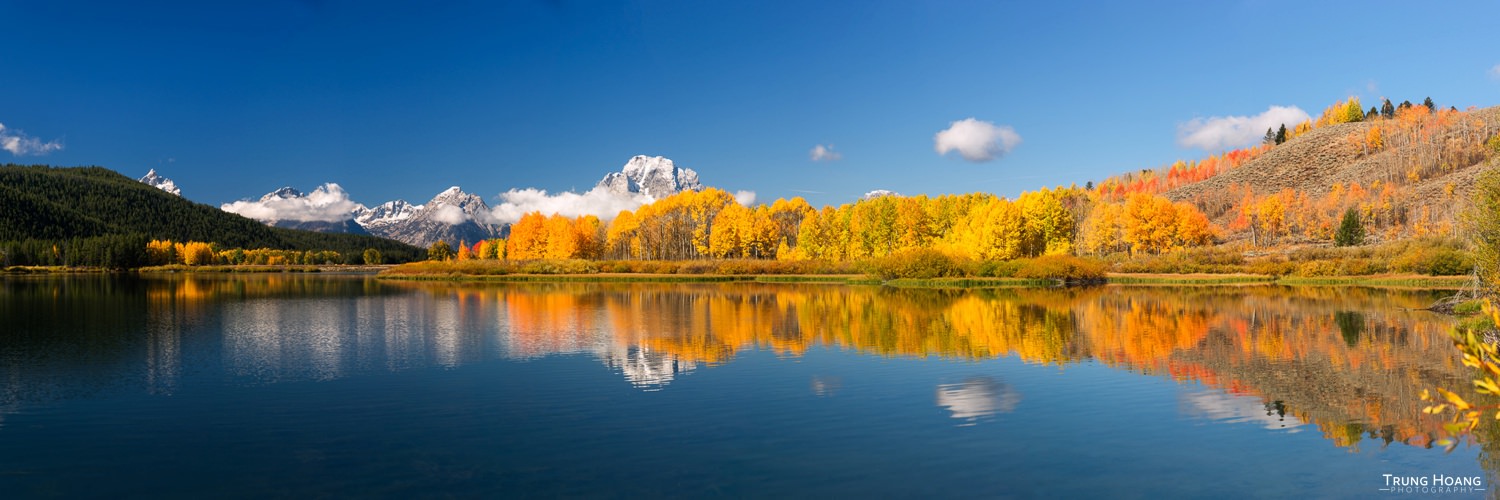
{"x": 1120, "y": 279}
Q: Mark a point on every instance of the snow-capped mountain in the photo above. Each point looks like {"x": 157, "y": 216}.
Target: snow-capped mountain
{"x": 879, "y": 193}
{"x": 284, "y": 193}
{"x": 652, "y": 176}
{"x": 453, "y": 216}
{"x": 159, "y": 182}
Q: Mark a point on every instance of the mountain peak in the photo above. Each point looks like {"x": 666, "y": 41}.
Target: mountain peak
{"x": 157, "y": 181}
{"x": 286, "y": 192}
{"x": 654, "y": 176}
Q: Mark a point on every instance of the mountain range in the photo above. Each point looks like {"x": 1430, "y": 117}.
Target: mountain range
{"x": 453, "y": 215}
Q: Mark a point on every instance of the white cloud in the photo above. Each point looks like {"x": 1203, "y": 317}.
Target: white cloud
{"x": 327, "y": 203}
{"x": 1225, "y": 132}
{"x": 449, "y": 214}
{"x": 1495, "y": 72}
{"x": 824, "y": 153}
{"x": 745, "y": 198}
{"x": 599, "y": 202}
{"x": 20, "y": 144}
{"x": 975, "y": 140}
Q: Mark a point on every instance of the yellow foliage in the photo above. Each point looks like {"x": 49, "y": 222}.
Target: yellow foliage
{"x": 196, "y": 253}
{"x": 161, "y": 253}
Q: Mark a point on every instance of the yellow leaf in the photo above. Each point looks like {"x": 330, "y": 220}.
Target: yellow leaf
{"x": 1458, "y": 402}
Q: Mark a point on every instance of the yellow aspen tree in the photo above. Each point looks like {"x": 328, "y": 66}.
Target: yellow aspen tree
{"x": 527, "y": 240}
{"x": 725, "y": 239}
{"x": 562, "y": 241}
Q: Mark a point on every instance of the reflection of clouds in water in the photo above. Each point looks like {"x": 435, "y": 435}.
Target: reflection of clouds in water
{"x": 978, "y": 397}
{"x": 826, "y": 386}
{"x": 1228, "y": 408}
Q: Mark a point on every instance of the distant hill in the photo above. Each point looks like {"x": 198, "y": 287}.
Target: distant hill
{"x": 42, "y": 204}
{"x": 1438, "y": 154}
{"x": 1407, "y": 174}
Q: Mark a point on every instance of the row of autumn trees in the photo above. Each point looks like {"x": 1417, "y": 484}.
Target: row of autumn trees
{"x": 1126, "y": 213}
{"x": 711, "y": 224}
{"x": 197, "y": 253}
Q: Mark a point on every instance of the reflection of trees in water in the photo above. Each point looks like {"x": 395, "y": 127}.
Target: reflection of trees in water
{"x": 1348, "y": 360}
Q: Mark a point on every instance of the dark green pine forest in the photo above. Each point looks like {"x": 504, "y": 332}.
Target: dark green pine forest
{"x": 93, "y": 216}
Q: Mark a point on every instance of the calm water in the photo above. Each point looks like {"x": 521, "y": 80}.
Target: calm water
{"x": 328, "y": 386}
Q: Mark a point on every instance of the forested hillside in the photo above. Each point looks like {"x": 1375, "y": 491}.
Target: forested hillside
{"x": 95, "y": 216}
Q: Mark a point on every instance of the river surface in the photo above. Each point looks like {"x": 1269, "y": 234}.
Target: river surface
{"x": 308, "y": 386}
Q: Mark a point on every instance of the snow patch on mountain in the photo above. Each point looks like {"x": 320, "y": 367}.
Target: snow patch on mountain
{"x": 385, "y": 214}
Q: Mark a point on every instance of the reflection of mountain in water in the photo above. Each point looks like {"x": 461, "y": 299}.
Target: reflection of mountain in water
{"x": 646, "y": 369}
{"x": 978, "y": 397}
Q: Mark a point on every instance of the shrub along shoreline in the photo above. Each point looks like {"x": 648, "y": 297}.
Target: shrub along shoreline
{"x": 912, "y": 269}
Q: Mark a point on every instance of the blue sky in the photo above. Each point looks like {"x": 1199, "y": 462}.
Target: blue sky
{"x": 401, "y": 100}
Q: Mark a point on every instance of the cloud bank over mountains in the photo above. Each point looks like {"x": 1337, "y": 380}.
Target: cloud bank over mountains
{"x": 327, "y": 203}
{"x": 599, "y": 201}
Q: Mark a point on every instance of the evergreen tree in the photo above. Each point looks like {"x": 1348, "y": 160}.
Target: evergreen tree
{"x": 1351, "y": 232}
{"x": 1270, "y": 139}
{"x": 1281, "y": 134}
{"x": 1430, "y": 107}
{"x": 1403, "y": 105}
{"x": 1372, "y": 114}
{"x": 1387, "y": 110}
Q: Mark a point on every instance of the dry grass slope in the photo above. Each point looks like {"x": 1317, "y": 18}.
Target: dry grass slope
{"x": 1315, "y": 161}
